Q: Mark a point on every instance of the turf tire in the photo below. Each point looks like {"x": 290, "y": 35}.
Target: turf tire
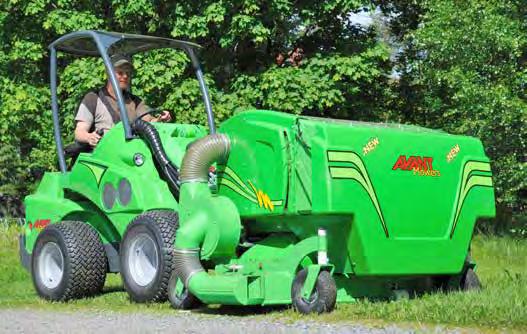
{"x": 84, "y": 261}
{"x": 470, "y": 281}
{"x": 323, "y": 298}
{"x": 160, "y": 226}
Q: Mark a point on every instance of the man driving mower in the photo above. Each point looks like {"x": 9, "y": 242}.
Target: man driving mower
{"x": 98, "y": 112}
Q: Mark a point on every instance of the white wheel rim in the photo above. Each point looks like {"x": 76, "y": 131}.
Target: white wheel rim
{"x": 312, "y": 298}
{"x": 142, "y": 259}
{"x": 51, "y": 265}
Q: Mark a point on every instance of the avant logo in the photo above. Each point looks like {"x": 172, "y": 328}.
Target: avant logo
{"x": 39, "y": 224}
{"x": 421, "y": 166}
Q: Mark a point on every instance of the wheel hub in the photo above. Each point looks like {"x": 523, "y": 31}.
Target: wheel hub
{"x": 311, "y": 298}
{"x": 143, "y": 259}
{"x": 51, "y": 265}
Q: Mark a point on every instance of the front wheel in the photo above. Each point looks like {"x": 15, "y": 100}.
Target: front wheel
{"x": 322, "y": 299}
{"x": 146, "y": 255}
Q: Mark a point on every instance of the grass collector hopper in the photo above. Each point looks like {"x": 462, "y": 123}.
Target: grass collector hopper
{"x": 295, "y": 210}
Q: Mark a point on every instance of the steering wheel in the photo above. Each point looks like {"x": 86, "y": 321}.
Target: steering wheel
{"x": 150, "y": 112}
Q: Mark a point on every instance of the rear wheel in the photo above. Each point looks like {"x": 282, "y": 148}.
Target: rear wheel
{"x": 68, "y": 262}
{"x": 322, "y": 299}
{"x": 470, "y": 281}
{"x": 467, "y": 280}
{"x": 146, "y": 255}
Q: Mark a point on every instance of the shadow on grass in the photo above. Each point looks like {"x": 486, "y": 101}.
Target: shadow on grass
{"x": 240, "y": 310}
{"x": 111, "y": 289}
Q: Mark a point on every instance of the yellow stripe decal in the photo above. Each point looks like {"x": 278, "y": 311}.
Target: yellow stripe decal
{"x": 358, "y": 173}
{"x": 470, "y": 180}
{"x": 232, "y": 181}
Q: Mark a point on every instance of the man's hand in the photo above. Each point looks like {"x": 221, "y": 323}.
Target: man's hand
{"x": 164, "y": 117}
{"x": 93, "y": 138}
{"x": 82, "y": 134}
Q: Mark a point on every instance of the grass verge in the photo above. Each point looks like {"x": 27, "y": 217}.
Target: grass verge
{"x": 501, "y": 305}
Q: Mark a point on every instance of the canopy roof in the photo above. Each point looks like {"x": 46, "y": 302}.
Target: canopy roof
{"x": 84, "y": 43}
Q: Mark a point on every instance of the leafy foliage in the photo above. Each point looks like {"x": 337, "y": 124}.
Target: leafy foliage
{"x": 467, "y": 75}
{"x": 332, "y": 85}
{"x": 346, "y": 72}
{"x": 462, "y": 73}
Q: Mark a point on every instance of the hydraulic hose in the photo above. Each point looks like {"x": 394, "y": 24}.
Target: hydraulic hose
{"x": 168, "y": 170}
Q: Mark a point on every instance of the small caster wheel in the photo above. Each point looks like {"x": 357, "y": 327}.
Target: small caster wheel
{"x": 322, "y": 299}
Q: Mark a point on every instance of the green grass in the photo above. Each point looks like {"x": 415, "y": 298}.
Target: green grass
{"x": 502, "y": 304}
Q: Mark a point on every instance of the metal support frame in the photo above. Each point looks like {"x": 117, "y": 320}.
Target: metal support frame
{"x": 55, "y": 109}
{"x": 204, "y": 90}
{"x": 311, "y": 280}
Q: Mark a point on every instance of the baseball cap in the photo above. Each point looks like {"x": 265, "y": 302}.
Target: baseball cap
{"x": 120, "y": 60}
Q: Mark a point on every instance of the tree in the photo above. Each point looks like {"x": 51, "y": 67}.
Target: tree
{"x": 344, "y": 73}
{"x": 464, "y": 71}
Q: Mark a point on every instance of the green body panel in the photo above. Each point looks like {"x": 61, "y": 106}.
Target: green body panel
{"x": 46, "y": 206}
{"x": 268, "y": 268}
{"x": 340, "y": 175}
{"x": 78, "y": 194}
{"x": 396, "y": 202}
{"x": 211, "y": 223}
{"x": 256, "y": 177}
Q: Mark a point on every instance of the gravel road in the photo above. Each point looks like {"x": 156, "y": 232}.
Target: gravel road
{"x": 30, "y": 321}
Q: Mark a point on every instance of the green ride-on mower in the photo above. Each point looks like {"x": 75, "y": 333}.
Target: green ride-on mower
{"x": 270, "y": 208}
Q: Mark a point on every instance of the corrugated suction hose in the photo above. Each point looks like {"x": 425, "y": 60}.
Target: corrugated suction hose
{"x": 200, "y": 155}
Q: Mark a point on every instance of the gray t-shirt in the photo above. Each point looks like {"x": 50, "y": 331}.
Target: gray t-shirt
{"x": 94, "y": 111}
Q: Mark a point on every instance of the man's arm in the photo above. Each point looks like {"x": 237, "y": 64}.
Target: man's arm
{"x": 82, "y": 134}
{"x": 85, "y": 118}
{"x": 143, "y": 108}
{"x": 164, "y": 117}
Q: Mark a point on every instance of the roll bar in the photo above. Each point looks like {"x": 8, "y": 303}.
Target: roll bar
{"x": 94, "y": 43}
